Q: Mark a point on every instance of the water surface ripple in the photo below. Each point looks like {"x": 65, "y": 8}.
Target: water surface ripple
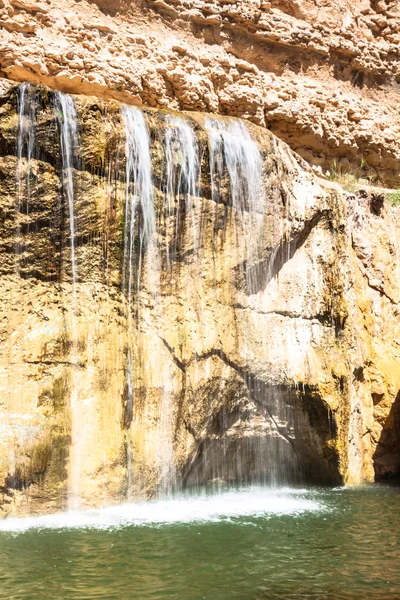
{"x": 254, "y": 544}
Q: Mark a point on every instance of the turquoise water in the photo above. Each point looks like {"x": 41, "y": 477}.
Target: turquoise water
{"x": 252, "y": 544}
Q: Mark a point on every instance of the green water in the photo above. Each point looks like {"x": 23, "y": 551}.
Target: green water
{"x": 317, "y": 544}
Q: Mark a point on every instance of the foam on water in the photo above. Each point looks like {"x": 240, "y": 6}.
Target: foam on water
{"x": 253, "y": 502}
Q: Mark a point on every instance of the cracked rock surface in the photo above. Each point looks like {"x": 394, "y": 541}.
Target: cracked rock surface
{"x": 322, "y": 76}
{"x": 291, "y": 372}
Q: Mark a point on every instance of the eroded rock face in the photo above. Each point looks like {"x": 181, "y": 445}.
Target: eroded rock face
{"x": 322, "y": 76}
{"x": 252, "y": 344}
{"x": 375, "y": 241}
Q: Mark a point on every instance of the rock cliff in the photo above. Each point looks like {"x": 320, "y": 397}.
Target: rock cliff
{"x": 235, "y": 333}
{"x": 323, "y": 76}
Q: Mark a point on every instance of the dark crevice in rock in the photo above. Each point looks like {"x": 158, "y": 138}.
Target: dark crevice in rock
{"x": 381, "y": 291}
{"x": 190, "y": 429}
{"x": 36, "y": 274}
{"x": 387, "y": 454}
{"x": 321, "y": 419}
{"x": 358, "y": 373}
{"x": 376, "y": 203}
{"x": 323, "y": 318}
{"x": 51, "y": 363}
{"x": 180, "y": 364}
{"x": 260, "y": 274}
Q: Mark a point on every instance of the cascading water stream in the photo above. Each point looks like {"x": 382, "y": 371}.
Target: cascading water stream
{"x": 234, "y": 152}
{"x": 139, "y": 220}
{"x": 25, "y": 148}
{"x": 176, "y": 209}
{"x": 232, "y": 145}
{"x": 69, "y": 141}
{"x": 67, "y": 119}
{"x": 182, "y": 175}
{"x": 236, "y": 176}
{"x": 26, "y": 135}
{"x": 139, "y": 194}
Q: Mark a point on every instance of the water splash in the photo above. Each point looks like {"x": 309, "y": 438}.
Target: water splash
{"x": 204, "y": 508}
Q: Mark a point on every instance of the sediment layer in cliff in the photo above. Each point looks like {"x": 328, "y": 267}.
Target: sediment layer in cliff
{"x": 321, "y": 76}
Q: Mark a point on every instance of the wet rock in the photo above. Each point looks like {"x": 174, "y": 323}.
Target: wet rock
{"x": 268, "y": 357}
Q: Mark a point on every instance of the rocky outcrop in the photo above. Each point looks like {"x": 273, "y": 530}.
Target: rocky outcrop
{"x": 245, "y": 343}
{"x": 321, "y": 76}
{"x": 374, "y": 230}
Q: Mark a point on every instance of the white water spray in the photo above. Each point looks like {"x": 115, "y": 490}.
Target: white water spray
{"x": 206, "y": 508}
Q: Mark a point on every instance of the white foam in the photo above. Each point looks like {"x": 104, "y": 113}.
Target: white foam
{"x": 225, "y": 506}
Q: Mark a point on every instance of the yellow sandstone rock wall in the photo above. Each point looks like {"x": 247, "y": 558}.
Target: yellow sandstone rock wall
{"x": 213, "y": 358}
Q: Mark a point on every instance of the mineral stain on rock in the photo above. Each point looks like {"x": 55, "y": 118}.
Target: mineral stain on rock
{"x": 240, "y": 324}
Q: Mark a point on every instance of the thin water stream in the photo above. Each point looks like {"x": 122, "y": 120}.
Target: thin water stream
{"x": 68, "y": 125}
{"x": 26, "y": 140}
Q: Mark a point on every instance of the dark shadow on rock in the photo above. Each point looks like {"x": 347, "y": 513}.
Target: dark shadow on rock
{"x": 387, "y": 454}
{"x": 260, "y": 274}
{"x": 297, "y": 449}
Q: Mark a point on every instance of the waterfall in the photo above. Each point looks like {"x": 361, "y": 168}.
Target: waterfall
{"x": 140, "y": 221}
{"x": 69, "y": 141}
{"x": 236, "y": 174}
{"x": 236, "y": 177}
{"x": 233, "y": 149}
{"x": 138, "y": 197}
{"x": 182, "y": 176}
{"x": 67, "y": 120}
{"x": 232, "y": 145}
{"x": 26, "y": 136}
{"x": 27, "y": 108}
{"x": 195, "y": 403}
{"x": 236, "y": 180}
{"x": 139, "y": 193}
{"x": 182, "y": 181}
